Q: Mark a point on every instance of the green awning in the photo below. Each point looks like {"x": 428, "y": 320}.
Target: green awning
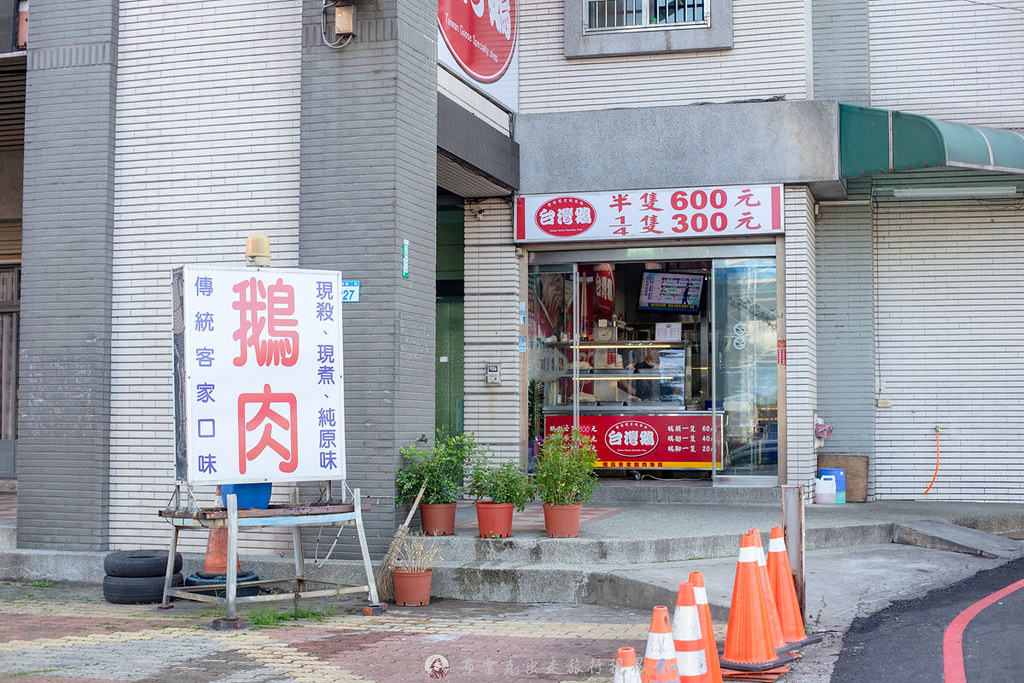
{"x": 882, "y": 141}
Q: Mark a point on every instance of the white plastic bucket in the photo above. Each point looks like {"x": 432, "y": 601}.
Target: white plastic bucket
{"x": 825, "y": 490}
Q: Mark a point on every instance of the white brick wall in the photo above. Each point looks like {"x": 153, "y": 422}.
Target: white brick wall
{"x": 953, "y": 60}
{"x": 801, "y": 337}
{"x": 845, "y": 323}
{"x": 491, "y": 327}
{"x": 950, "y": 305}
{"x": 770, "y": 57}
{"x": 207, "y": 152}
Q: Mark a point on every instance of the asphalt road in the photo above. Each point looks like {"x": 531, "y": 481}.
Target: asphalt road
{"x": 905, "y": 642}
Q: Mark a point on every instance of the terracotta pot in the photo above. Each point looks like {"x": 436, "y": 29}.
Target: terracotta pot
{"x": 438, "y": 519}
{"x": 412, "y": 588}
{"x": 562, "y": 521}
{"x": 494, "y": 519}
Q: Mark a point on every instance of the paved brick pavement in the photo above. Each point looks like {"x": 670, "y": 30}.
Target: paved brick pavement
{"x": 68, "y": 633}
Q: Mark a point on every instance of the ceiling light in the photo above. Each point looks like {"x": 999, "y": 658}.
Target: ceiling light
{"x": 992, "y": 192}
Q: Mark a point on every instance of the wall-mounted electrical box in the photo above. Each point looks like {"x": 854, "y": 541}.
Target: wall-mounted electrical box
{"x": 493, "y": 371}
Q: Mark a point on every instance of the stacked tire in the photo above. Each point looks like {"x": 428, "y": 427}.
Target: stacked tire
{"x": 135, "y": 577}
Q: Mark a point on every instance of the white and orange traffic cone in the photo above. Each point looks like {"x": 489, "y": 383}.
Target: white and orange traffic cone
{"x": 626, "y": 670}
{"x": 781, "y": 578}
{"x": 774, "y": 624}
{"x": 660, "y": 655}
{"x": 748, "y": 640}
{"x": 686, "y": 636}
{"x": 707, "y": 628}
{"x": 216, "y": 560}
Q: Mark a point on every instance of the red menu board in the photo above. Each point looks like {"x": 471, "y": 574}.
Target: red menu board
{"x": 663, "y": 441}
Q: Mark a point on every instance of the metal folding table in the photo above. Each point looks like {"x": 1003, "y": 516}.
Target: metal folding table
{"x": 293, "y": 515}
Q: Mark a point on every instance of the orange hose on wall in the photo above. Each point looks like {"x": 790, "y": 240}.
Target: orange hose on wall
{"x": 937, "y": 430}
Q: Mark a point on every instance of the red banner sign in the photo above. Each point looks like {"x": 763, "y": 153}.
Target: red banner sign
{"x": 661, "y": 441}
{"x": 669, "y": 213}
{"x": 481, "y": 35}
{"x": 604, "y": 287}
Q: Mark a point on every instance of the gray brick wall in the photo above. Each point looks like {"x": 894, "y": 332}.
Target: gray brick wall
{"x": 64, "y": 406}
{"x": 841, "y": 51}
{"x": 368, "y": 181}
{"x": 846, "y": 368}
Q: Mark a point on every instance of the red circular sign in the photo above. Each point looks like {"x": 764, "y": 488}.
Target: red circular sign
{"x": 631, "y": 438}
{"x": 565, "y": 216}
{"x": 480, "y": 34}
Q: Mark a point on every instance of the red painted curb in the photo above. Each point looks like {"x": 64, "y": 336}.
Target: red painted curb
{"x": 952, "y": 641}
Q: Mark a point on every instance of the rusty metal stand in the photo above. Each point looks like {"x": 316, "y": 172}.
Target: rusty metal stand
{"x": 295, "y": 516}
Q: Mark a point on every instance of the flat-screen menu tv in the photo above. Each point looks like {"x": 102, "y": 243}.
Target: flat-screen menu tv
{"x": 676, "y": 292}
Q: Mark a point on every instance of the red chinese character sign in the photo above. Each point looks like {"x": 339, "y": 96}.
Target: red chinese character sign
{"x": 477, "y": 40}
{"x": 258, "y": 375}
{"x": 700, "y": 212}
{"x": 658, "y": 441}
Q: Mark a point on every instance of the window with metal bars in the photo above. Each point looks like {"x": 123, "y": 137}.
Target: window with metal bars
{"x": 614, "y": 14}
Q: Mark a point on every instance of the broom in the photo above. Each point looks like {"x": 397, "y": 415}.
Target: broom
{"x": 385, "y": 584}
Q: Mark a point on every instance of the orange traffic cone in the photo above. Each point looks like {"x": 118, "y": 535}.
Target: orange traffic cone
{"x": 707, "y": 629}
{"x": 748, "y": 639}
{"x": 686, "y": 636}
{"x": 216, "y": 560}
{"x": 626, "y": 670}
{"x": 781, "y": 578}
{"x": 660, "y": 656}
{"x": 774, "y": 624}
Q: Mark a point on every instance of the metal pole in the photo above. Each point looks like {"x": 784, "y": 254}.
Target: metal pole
{"x": 300, "y": 573}
{"x": 367, "y": 566}
{"x": 169, "y": 575}
{"x": 793, "y": 531}
{"x": 232, "y": 587}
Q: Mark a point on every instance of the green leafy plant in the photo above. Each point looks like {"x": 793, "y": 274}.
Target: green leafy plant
{"x": 564, "y": 474}
{"x": 500, "y": 483}
{"x": 269, "y": 617}
{"x": 442, "y": 467}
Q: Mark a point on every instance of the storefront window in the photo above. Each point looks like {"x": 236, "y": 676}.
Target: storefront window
{"x": 665, "y": 363}
{"x": 746, "y": 370}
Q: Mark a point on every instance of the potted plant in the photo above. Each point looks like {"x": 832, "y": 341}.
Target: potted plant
{"x": 414, "y": 571}
{"x": 505, "y": 487}
{"x": 442, "y": 468}
{"x": 564, "y": 478}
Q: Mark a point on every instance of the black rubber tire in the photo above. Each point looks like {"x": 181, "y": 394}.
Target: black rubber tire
{"x": 136, "y": 590}
{"x": 139, "y": 563}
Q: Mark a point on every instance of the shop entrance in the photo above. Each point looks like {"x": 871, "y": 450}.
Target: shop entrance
{"x": 669, "y": 363}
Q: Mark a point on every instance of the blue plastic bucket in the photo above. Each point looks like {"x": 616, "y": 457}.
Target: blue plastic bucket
{"x": 840, "y": 475}
{"x": 249, "y": 495}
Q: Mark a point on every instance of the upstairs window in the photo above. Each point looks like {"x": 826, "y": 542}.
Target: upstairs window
{"x": 608, "y": 28}
{"x": 613, "y": 14}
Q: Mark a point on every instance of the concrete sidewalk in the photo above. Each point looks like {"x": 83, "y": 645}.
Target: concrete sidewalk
{"x": 53, "y": 633}
{"x": 546, "y": 609}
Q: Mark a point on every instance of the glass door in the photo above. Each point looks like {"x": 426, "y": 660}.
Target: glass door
{"x": 745, "y": 378}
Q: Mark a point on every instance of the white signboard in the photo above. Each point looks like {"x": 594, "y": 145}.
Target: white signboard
{"x": 258, "y": 375}
{"x": 478, "y": 40}
{"x": 671, "y": 213}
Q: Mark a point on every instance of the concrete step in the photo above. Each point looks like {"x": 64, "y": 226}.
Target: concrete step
{"x": 8, "y": 534}
{"x": 630, "y": 492}
{"x": 521, "y": 550}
